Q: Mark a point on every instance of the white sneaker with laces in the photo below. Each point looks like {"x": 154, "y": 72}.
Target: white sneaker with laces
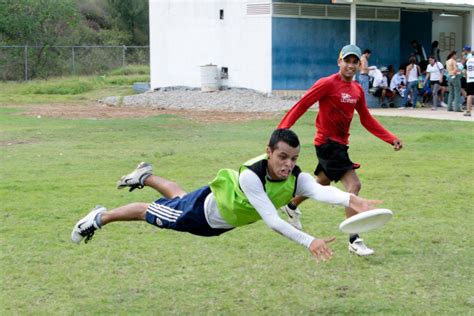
{"x": 359, "y": 248}
{"x": 86, "y": 227}
{"x": 135, "y": 178}
{"x": 293, "y": 216}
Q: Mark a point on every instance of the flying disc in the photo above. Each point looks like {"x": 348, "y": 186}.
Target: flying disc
{"x": 365, "y": 221}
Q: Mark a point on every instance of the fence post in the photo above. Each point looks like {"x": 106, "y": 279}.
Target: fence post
{"x": 123, "y": 56}
{"x": 26, "y": 62}
{"x": 73, "y": 62}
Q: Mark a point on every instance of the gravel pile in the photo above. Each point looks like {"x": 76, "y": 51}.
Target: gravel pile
{"x": 229, "y": 100}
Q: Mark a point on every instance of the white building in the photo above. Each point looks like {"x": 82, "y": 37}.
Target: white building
{"x": 287, "y": 45}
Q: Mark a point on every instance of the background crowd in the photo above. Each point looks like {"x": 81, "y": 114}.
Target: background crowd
{"x": 424, "y": 80}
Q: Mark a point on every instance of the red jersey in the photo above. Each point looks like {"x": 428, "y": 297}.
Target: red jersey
{"x": 337, "y": 101}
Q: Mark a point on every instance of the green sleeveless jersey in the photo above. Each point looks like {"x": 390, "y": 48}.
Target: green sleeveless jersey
{"x": 234, "y": 206}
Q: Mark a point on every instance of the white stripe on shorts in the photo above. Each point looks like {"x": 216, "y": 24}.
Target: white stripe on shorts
{"x": 164, "y": 212}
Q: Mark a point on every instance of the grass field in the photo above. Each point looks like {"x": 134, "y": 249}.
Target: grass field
{"x": 54, "y": 170}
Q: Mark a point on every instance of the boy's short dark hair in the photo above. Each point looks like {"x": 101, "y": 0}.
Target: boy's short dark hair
{"x": 367, "y": 51}
{"x": 283, "y": 135}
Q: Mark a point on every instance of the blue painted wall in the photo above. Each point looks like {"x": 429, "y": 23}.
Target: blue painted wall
{"x": 305, "y": 1}
{"x": 415, "y": 26}
{"x": 304, "y": 50}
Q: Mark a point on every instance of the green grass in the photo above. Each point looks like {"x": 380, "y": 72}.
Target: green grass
{"x": 53, "y": 171}
{"x": 83, "y": 88}
{"x": 131, "y": 70}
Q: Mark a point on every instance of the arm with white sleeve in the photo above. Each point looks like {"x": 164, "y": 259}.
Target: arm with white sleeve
{"x": 308, "y": 187}
{"x": 255, "y": 193}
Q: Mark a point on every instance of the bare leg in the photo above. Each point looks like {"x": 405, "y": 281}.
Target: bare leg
{"x": 323, "y": 179}
{"x": 352, "y": 184}
{"x": 137, "y": 211}
{"x": 167, "y": 188}
{"x": 130, "y": 212}
{"x": 469, "y": 103}
{"x": 441, "y": 94}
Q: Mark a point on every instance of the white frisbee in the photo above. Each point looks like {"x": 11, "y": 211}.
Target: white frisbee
{"x": 365, "y": 221}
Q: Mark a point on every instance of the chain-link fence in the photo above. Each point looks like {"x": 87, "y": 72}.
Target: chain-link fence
{"x": 31, "y": 62}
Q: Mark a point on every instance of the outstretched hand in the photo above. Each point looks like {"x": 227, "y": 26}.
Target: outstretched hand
{"x": 320, "y": 250}
{"x": 359, "y": 204}
{"x": 397, "y": 144}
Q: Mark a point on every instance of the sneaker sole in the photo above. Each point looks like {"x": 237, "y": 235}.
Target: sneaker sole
{"x": 75, "y": 236}
{"x": 143, "y": 165}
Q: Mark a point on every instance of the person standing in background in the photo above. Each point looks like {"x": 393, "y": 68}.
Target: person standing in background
{"x": 434, "y": 73}
{"x": 412, "y": 72}
{"x": 466, "y": 54}
{"x": 364, "y": 70}
{"x": 470, "y": 84}
{"x": 435, "y": 50}
{"x": 454, "y": 82}
{"x": 418, "y": 51}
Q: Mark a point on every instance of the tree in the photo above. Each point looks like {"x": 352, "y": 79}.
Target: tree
{"x": 47, "y": 24}
{"x": 42, "y": 23}
{"x": 131, "y": 16}
{"x": 38, "y": 22}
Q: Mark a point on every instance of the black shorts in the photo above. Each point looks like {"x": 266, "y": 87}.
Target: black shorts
{"x": 334, "y": 160}
{"x": 463, "y": 83}
{"x": 470, "y": 88}
{"x": 444, "y": 83}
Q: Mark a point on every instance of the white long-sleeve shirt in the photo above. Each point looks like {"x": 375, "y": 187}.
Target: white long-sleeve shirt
{"x": 253, "y": 189}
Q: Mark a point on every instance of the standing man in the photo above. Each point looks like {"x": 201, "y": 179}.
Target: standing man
{"x": 454, "y": 82}
{"x": 418, "y": 51}
{"x": 338, "y": 98}
{"x": 364, "y": 70}
{"x": 231, "y": 200}
{"x": 466, "y": 54}
{"x": 470, "y": 84}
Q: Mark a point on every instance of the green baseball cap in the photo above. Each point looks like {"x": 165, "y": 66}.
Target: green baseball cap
{"x": 350, "y": 50}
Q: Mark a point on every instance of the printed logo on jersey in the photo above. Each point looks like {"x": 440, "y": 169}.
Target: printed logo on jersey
{"x": 347, "y": 98}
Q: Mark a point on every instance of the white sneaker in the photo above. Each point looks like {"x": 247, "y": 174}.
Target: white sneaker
{"x": 443, "y": 104}
{"x": 293, "y": 216}
{"x": 86, "y": 227}
{"x": 359, "y": 248}
{"x": 135, "y": 178}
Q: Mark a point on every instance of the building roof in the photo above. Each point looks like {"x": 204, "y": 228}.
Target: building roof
{"x": 443, "y": 5}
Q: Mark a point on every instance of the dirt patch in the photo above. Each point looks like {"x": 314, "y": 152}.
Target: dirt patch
{"x": 101, "y": 111}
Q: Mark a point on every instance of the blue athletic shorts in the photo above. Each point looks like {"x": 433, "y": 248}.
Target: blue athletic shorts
{"x": 185, "y": 214}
